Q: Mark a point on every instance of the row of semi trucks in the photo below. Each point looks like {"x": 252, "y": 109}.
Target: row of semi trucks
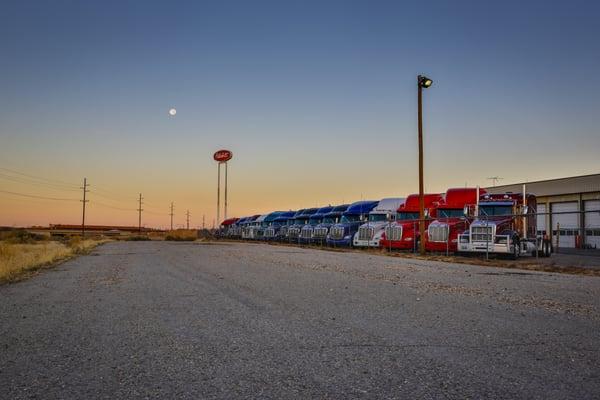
{"x": 461, "y": 220}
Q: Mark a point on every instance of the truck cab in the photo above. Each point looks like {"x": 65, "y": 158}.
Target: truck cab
{"x": 403, "y": 234}
{"x": 266, "y": 223}
{"x": 272, "y": 231}
{"x": 236, "y": 228}
{"x": 369, "y": 234}
{"x": 285, "y": 228}
{"x": 505, "y": 224}
{"x": 307, "y": 232}
{"x": 341, "y": 234}
{"x": 299, "y": 222}
{"x": 226, "y": 227}
{"x": 255, "y": 227}
{"x": 321, "y": 230}
{"x": 247, "y": 226}
{"x": 451, "y": 221}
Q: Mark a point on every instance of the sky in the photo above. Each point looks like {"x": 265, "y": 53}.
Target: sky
{"x": 316, "y": 99}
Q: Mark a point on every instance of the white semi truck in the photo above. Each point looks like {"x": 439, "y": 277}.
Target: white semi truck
{"x": 369, "y": 234}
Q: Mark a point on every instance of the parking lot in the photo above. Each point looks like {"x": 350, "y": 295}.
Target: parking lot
{"x": 230, "y": 320}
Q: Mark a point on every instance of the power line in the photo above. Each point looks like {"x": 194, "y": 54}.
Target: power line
{"x": 36, "y": 197}
{"x": 27, "y": 181}
{"x": 70, "y": 184}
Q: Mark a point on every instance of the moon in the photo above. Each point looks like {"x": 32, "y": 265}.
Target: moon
{"x": 172, "y": 112}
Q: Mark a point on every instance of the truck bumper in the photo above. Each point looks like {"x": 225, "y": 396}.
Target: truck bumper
{"x": 483, "y": 247}
{"x": 366, "y": 243}
{"x": 339, "y": 242}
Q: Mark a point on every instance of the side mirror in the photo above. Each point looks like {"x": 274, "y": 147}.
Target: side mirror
{"x": 389, "y": 216}
{"x": 525, "y": 210}
{"x": 466, "y": 211}
{"x": 426, "y": 213}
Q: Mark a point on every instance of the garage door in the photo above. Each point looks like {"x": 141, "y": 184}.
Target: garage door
{"x": 569, "y": 225}
{"x": 592, "y": 223}
{"x": 541, "y": 219}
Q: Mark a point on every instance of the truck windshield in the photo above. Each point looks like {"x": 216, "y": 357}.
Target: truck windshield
{"x": 377, "y": 217}
{"x": 329, "y": 220}
{"x": 350, "y": 218}
{"x": 302, "y": 221}
{"x": 495, "y": 210}
{"x": 314, "y": 221}
{"x": 407, "y": 215}
{"x": 450, "y": 212}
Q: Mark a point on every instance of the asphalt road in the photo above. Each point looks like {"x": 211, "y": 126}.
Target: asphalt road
{"x": 192, "y": 320}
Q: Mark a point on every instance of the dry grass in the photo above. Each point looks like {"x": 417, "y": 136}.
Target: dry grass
{"x": 18, "y": 260}
{"x": 182, "y": 235}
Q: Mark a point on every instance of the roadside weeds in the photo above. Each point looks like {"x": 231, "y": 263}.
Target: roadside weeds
{"x": 20, "y": 261}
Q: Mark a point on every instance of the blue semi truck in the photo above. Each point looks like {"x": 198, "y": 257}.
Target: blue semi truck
{"x": 299, "y": 221}
{"x": 333, "y": 217}
{"x": 306, "y": 233}
{"x": 273, "y": 230}
{"x": 341, "y": 234}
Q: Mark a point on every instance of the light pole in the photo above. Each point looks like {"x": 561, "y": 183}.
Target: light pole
{"x": 422, "y": 82}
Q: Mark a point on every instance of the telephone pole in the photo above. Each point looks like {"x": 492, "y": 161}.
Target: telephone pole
{"x": 187, "y": 214}
{"x": 85, "y": 186}
{"x": 140, "y": 214}
{"x": 494, "y": 179}
{"x": 203, "y": 225}
{"x": 171, "y": 215}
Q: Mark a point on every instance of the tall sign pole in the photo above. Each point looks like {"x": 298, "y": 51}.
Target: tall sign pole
{"x": 221, "y": 157}
{"x": 219, "y": 192}
{"x": 225, "y": 209}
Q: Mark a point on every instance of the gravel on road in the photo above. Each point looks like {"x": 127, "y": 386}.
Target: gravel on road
{"x": 234, "y": 320}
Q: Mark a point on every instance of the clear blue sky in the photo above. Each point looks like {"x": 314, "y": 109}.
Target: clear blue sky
{"x": 316, "y": 99}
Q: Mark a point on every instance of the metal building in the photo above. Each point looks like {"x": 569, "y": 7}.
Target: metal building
{"x": 569, "y": 208}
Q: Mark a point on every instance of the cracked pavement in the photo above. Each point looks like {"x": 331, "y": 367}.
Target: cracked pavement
{"x": 239, "y": 320}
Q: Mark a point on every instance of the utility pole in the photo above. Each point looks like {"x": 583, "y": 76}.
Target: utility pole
{"x": 85, "y": 186}
{"x": 187, "y": 214}
{"x": 422, "y": 82}
{"x": 171, "y": 215}
{"x": 494, "y": 180}
{"x": 139, "y": 210}
{"x": 203, "y": 225}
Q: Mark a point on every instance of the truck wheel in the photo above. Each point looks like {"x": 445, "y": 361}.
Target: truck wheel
{"x": 515, "y": 254}
{"x": 547, "y": 249}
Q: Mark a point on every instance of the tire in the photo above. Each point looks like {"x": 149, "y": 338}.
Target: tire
{"x": 515, "y": 253}
{"x": 547, "y": 249}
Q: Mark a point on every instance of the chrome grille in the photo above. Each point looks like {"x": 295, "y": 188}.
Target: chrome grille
{"x": 320, "y": 233}
{"x": 393, "y": 232}
{"x": 306, "y": 232}
{"x": 293, "y": 232}
{"x": 270, "y": 232}
{"x": 337, "y": 232}
{"x": 482, "y": 233}
{"x": 283, "y": 231}
{"x": 366, "y": 233}
{"x": 438, "y": 233}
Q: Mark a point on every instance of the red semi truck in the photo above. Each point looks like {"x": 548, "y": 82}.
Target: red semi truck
{"x": 401, "y": 234}
{"x": 505, "y": 224}
{"x": 442, "y": 234}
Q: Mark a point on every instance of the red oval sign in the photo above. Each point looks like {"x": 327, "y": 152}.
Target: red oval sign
{"x": 223, "y": 155}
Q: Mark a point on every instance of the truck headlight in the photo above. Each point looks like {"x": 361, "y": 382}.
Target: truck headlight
{"x": 347, "y": 237}
{"x": 408, "y": 239}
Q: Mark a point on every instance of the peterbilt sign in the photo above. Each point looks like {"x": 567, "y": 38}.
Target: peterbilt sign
{"x": 223, "y": 155}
